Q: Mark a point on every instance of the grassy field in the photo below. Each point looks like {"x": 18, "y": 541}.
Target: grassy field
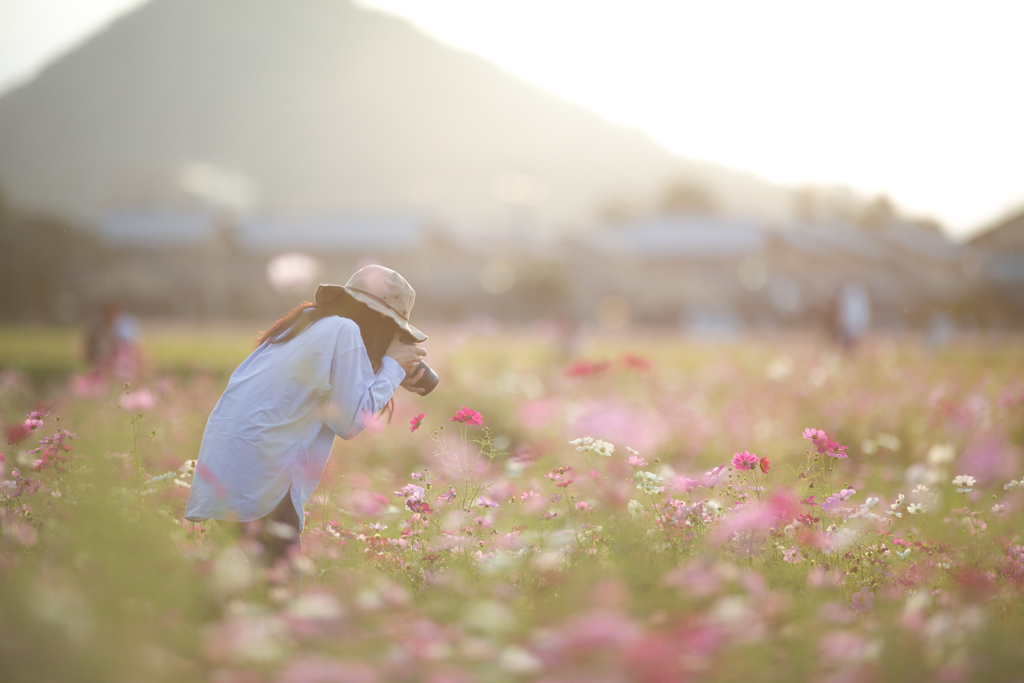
{"x": 734, "y": 541}
{"x": 46, "y": 352}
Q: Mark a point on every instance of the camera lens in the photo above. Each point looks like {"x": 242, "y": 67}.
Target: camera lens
{"x": 429, "y": 379}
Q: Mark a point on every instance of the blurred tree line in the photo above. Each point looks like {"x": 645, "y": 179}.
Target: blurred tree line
{"x": 42, "y": 260}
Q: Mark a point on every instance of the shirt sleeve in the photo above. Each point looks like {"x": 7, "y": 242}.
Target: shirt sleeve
{"x": 357, "y": 394}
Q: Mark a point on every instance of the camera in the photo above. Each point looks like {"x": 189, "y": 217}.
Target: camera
{"x": 429, "y": 379}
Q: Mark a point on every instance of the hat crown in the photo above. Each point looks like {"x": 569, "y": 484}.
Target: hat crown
{"x": 386, "y": 286}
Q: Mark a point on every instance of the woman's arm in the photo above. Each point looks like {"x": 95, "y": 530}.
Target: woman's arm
{"x": 357, "y": 394}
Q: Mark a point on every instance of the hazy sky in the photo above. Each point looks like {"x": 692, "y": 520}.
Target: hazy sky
{"x": 919, "y": 100}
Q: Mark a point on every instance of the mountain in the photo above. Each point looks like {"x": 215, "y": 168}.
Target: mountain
{"x": 319, "y": 106}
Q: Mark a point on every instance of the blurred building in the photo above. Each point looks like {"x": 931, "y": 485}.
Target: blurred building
{"x": 706, "y": 274}
{"x": 997, "y": 256}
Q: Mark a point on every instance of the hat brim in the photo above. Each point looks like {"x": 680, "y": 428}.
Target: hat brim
{"x": 325, "y": 293}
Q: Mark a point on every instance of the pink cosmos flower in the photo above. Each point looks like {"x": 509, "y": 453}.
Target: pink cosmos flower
{"x": 812, "y": 434}
{"x": 51, "y": 449}
{"x": 837, "y": 499}
{"x": 687, "y": 484}
{"x": 468, "y": 417}
{"x": 583, "y": 368}
{"x": 484, "y": 503}
{"x": 448, "y": 496}
{"x": 563, "y": 484}
{"x": 638, "y": 363}
{"x": 16, "y": 433}
{"x": 32, "y": 423}
{"x": 416, "y": 422}
{"x": 711, "y": 478}
{"x": 411, "y": 491}
{"x": 863, "y": 600}
{"x": 791, "y": 555}
{"x": 137, "y": 401}
{"x": 764, "y": 465}
{"x": 823, "y": 445}
{"x": 636, "y": 461}
{"x": 584, "y": 506}
{"x": 744, "y": 461}
{"x": 527, "y": 495}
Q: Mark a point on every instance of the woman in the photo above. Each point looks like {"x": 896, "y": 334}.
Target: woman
{"x": 324, "y": 369}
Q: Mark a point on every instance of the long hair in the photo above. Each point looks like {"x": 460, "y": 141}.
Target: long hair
{"x": 376, "y": 330}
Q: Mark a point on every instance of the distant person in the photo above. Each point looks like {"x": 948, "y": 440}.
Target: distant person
{"x": 853, "y": 314}
{"x": 324, "y": 369}
{"x": 112, "y": 343}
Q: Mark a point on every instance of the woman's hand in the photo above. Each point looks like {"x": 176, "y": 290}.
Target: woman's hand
{"x": 406, "y": 355}
{"x": 412, "y": 379}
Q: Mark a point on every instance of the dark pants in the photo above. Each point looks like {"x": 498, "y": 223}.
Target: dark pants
{"x": 278, "y": 531}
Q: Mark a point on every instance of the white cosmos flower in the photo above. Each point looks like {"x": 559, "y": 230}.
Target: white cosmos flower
{"x": 602, "y": 448}
{"x": 1013, "y": 485}
{"x": 964, "y": 483}
{"x": 916, "y": 509}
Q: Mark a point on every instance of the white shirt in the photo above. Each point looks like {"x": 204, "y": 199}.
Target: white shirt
{"x": 275, "y": 424}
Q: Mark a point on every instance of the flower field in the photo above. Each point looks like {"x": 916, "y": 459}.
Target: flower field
{"x": 636, "y": 508}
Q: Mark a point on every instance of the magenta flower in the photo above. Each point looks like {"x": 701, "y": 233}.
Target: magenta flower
{"x": 863, "y": 600}
{"x": 420, "y": 506}
{"x": 468, "y": 417}
{"x": 584, "y": 368}
{"x": 823, "y": 445}
{"x": 416, "y": 422}
{"x": 744, "y": 461}
{"x": 563, "y": 484}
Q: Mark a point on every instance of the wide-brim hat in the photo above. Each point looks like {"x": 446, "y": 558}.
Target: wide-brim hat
{"x": 383, "y": 290}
